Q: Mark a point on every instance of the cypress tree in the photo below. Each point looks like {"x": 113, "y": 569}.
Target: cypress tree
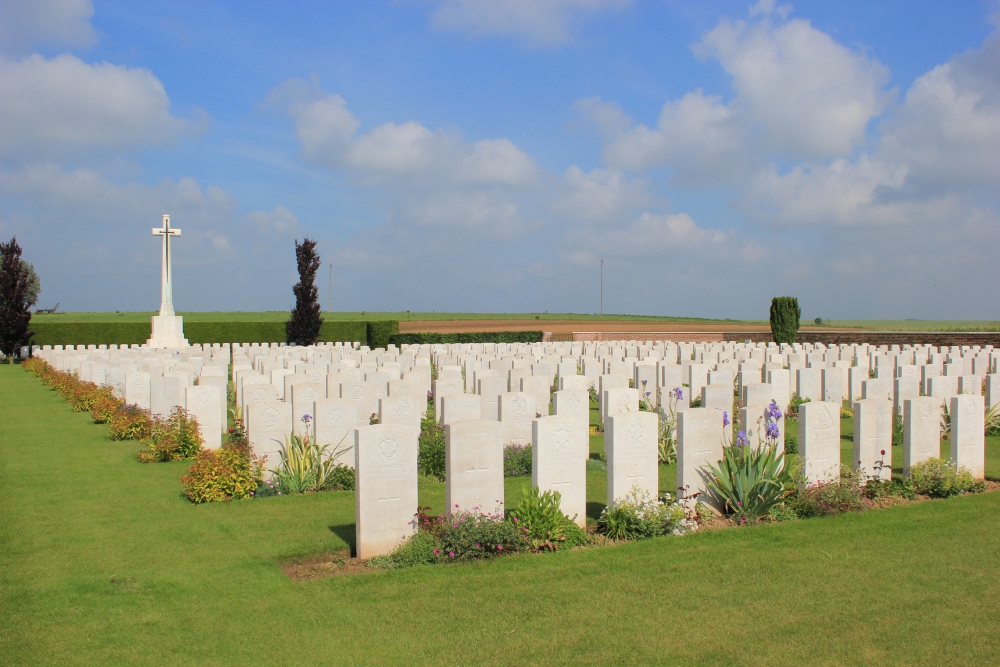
{"x": 785, "y": 314}
{"x": 303, "y": 327}
{"x": 15, "y": 313}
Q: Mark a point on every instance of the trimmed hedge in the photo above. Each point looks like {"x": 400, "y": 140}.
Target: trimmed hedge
{"x": 381, "y": 332}
{"x": 136, "y": 333}
{"x": 469, "y": 337}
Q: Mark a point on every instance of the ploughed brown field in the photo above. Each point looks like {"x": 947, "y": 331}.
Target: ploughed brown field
{"x": 569, "y": 326}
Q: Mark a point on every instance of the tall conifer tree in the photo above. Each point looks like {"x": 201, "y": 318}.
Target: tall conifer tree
{"x": 15, "y": 286}
{"x": 303, "y": 327}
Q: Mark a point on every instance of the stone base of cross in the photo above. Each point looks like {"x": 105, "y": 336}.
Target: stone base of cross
{"x": 168, "y": 332}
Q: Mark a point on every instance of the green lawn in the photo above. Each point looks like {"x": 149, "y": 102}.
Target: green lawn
{"x": 103, "y": 563}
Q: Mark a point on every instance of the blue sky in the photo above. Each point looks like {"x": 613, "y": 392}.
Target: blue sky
{"x": 485, "y": 156}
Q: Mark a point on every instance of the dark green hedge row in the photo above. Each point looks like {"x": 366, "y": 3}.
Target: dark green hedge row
{"x": 381, "y": 332}
{"x": 133, "y": 333}
{"x": 471, "y": 337}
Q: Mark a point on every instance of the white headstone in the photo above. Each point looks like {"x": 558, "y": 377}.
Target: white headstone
{"x": 921, "y": 430}
{"x": 873, "y": 437}
{"x": 386, "y": 487}
{"x": 205, "y": 403}
{"x": 631, "y": 445}
{"x": 699, "y": 443}
{"x": 819, "y": 441}
{"x": 474, "y": 466}
{"x": 968, "y": 444}
{"x": 557, "y": 466}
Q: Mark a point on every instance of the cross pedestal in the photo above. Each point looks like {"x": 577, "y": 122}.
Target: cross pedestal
{"x": 167, "y": 328}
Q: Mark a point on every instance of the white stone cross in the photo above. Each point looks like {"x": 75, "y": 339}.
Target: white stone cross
{"x": 564, "y": 482}
{"x": 478, "y": 469}
{"x": 635, "y": 475}
{"x": 387, "y": 499}
{"x": 166, "y": 291}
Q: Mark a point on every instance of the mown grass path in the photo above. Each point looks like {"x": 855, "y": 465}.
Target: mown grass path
{"x": 103, "y": 562}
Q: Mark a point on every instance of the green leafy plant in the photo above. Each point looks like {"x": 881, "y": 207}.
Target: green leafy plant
{"x": 791, "y": 444}
{"x": 228, "y": 473}
{"x": 430, "y": 449}
{"x": 104, "y": 406}
{"x": 542, "y": 520}
{"x": 172, "y": 439}
{"x": 752, "y": 480}
{"x": 792, "y": 414}
{"x": 639, "y": 515}
{"x": 516, "y": 460}
{"x": 827, "y": 498}
{"x": 939, "y": 478}
{"x": 130, "y": 422}
{"x": 667, "y": 436}
{"x": 785, "y": 316}
{"x": 305, "y": 465}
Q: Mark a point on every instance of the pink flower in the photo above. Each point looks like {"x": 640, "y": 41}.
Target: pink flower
{"x": 499, "y": 547}
{"x": 436, "y": 552}
{"x": 451, "y": 554}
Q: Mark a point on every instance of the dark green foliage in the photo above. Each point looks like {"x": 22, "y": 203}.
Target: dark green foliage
{"x": 785, "y": 315}
{"x": 430, "y": 449}
{"x": 380, "y": 333}
{"x": 516, "y": 460}
{"x": 304, "y": 325}
{"x": 939, "y": 478}
{"x": 791, "y": 444}
{"x": 129, "y": 333}
{"x": 471, "y": 337}
{"x": 15, "y": 286}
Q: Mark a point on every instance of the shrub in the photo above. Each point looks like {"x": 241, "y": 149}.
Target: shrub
{"x": 172, "y": 439}
{"x": 430, "y": 452}
{"x": 467, "y": 337}
{"x": 83, "y": 395}
{"x": 105, "y": 406}
{"x": 785, "y": 315}
{"x": 942, "y": 479}
{"x": 34, "y": 365}
{"x": 228, "y": 473}
{"x": 638, "y": 516}
{"x": 130, "y": 422}
{"x": 422, "y": 548}
{"x": 827, "y": 498}
{"x": 475, "y": 536}
{"x": 305, "y": 321}
{"x": 542, "y": 520}
{"x": 792, "y": 413}
{"x": 791, "y": 444}
{"x": 516, "y": 460}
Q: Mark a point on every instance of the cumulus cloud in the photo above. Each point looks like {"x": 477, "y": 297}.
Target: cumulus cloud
{"x": 63, "y": 108}
{"x": 430, "y": 177}
{"x": 280, "y": 221}
{"x": 600, "y": 195}
{"x": 796, "y": 94}
{"x": 935, "y": 156}
{"x": 28, "y": 24}
{"x": 545, "y": 23}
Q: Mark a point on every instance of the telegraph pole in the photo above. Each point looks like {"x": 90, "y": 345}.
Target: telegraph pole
{"x": 602, "y": 289}
{"x": 329, "y": 298}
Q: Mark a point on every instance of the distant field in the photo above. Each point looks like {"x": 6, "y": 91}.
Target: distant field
{"x": 481, "y": 320}
{"x": 282, "y": 315}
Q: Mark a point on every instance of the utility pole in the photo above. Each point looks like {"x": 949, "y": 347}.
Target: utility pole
{"x": 329, "y": 298}
{"x": 602, "y": 289}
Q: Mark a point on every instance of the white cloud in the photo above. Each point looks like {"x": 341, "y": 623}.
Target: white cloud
{"x": 797, "y": 94}
{"x": 280, "y": 221}
{"x": 27, "y": 24}
{"x": 935, "y": 157}
{"x": 63, "y": 108}
{"x": 537, "y": 22}
{"x": 601, "y": 195}
{"x": 806, "y": 94}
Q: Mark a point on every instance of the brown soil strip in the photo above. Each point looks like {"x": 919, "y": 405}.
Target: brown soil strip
{"x": 570, "y": 326}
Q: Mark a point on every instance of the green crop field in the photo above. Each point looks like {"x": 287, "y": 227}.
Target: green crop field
{"x": 102, "y": 561}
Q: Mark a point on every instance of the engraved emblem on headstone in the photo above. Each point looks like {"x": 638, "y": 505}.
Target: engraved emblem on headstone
{"x": 562, "y": 437}
{"x": 259, "y": 394}
{"x": 449, "y": 387}
{"x": 137, "y": 383}
{"x": 611, "y": 383}
{"x": 335, "y": 415}
{"x": 636, "y": 432}
{"x": 270, "y": 417}
{"x": 970, "y": 409}
{"x": 573, "y": 404}
{"x": 202, "y": 399}
{"x": 387, "y": 449}
{"x": 520, "y": 406}
{"x": 924, "y": 413}
{"x": 401, "y": 409}
{"x": 623, "y": 404}
{"x": 309, "y": 393}
{"x": 403, "y": 390}
{"x": 357, "y": 392}
{"x": 823, "y": 420}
